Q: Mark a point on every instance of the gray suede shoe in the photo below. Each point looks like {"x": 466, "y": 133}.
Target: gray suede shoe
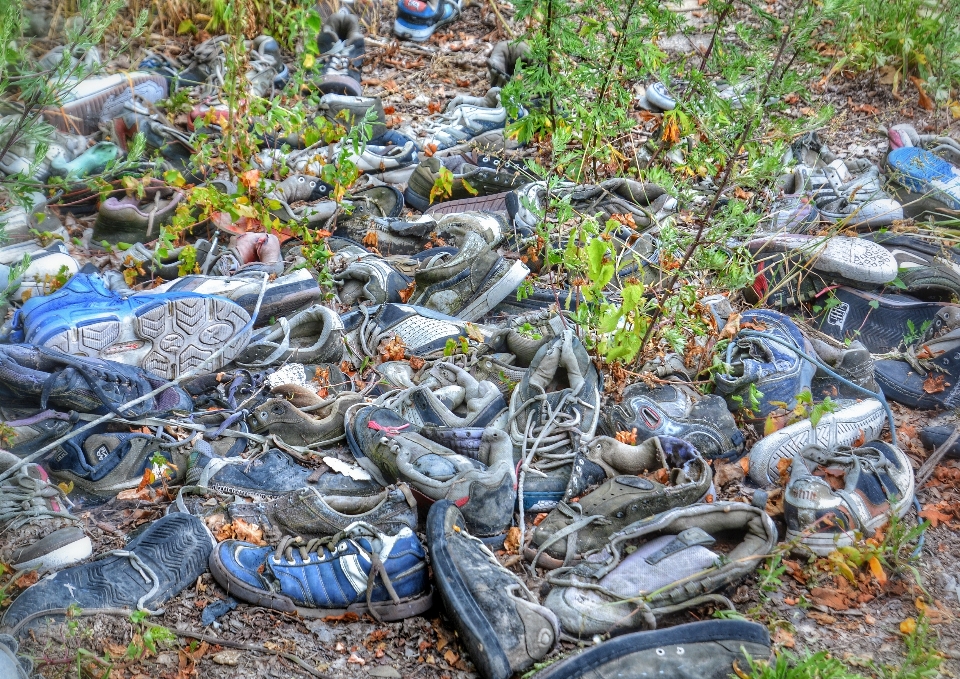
{"x": 663, "y": 564}
{"x": 297, "y": 428}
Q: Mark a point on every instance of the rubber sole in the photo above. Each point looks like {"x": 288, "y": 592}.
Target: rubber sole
{"x": 167, "y": 339}
{"x": 880, "y": 328}
{"x": 496, "y": 293}
{"x": 388, "y": 611}
{"x": 57, "y": 559}
{"x": 494, "y": 202}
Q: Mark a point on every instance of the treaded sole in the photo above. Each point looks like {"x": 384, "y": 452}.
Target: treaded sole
{"x": 494, "y": 202}
{"x": 83, "y": 115}
{"x": 168, "y": 339}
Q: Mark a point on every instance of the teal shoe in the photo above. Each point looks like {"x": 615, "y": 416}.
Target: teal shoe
{"x": 92, "y": 161}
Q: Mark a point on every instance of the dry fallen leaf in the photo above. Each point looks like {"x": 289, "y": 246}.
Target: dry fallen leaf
{"x": 407, "y": 292}
{"x": 628, "y": 437}
{"x": 512, "y": 543}
{"x": 27, "y": 579}
{"x": 241, "y": 530}
{"x": 908, "y": 626}
{"x": 934, "y": 516}
{"x": 392, "y": 350}
{"x": 934, "y": 384}
{"x": 923, "y": 99}
{"x": 877, "y": 569}
{"x": 784, "y": 638}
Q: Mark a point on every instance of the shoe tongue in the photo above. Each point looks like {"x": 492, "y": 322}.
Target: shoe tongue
{"x": 99, "y": 446}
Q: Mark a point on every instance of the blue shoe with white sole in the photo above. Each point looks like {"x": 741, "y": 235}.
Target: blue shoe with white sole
{"x": 359, "y": 570}
{"x": 923, "y": 172}
{"x": 167, "y": 334}
{"x": 417, "y": 20}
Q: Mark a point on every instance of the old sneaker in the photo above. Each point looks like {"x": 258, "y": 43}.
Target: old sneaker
{"x": 45, "y": 376}
{"x": 475, "y": 404}
{"x": 418, "y": 19}
{"x": 834, "y": 494}
{"x": 928, "y": 375}
{"x": 848, "y": 261}
{"x": 674, "y": 475}
{"x": 468, "y": 122}
{"x": 30, "y": 429}
{"x": 481, "y": 175}
{"x": 134, "y": 219}
{"x": 501, "y": 622}
{"x": 294, "y": 427}
{"x": 359, "y": 570}
{"x": 168, "y": 334}
{"x": 341, "y": 46}
{"x": 859, "y": 421}
{"x": 710, "y": 649}
{"x": 927, "y": 269}
{"x": 676, "y": 409}
{"x": 361, "y": 276}
{"x": 662, "y": 564}
{"x": 555, "y": 407}
{"x": 39, "y": 532}
{"x": 12, "y": 665}
{"x": 153, "y": 568}
{"x": 504, "y": 61}
{"x": 314, "y": 335}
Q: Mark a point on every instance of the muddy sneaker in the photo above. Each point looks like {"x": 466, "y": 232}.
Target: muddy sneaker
{"x": 673, "y": 476}
{"x": 36, "y": 375}
{"x": 860, "y": 421}
{"x": 418, "y": 19}
{"x": 470, "y": 283}
{"x": 359, "y": 570}
{"x": 676, "y": 409}
{"x": 883, "y": 322}
{"x": 859, "y": 202}
{"x": 475, "y": 403}
{"x": 308, "y": 514}
{"x": 756, "y": 363}
{"x": 268, "y": 476}
{"x": 711, "y": 649}
{"x": 668, "y": 562}
{"x": 501, "y": 622}
{"x": 12, "y": 665}
{"x": 150, "y": 570}
{"x": 153, "y": 568}
{"x": 30, "y": 429}
{"x": 104, "y": 464}
{"x": 927, "y": 377}
{"x": 314, "y": 335}
{"x": 926, "y": 269}
{"x": 850, "y": 360}
{"x": 361, "y": 276}
{"x": 481, "y": 175}
{"x": 167, "y": 334}
{"x": 467, "y": 121}
{"x": 484, "y": 488}
{"x": 423, "y": 331}
{"x": 504, "y": 60}
{"x": 282, "y": 296}
{"x": 563, "y": 382}
{"x": 294, "y": 427}
{"x": 859, "y": 489}
{"x": 134, "y": 219}
{"x": 925, "y": 173}
{"x": 39, "y": 532}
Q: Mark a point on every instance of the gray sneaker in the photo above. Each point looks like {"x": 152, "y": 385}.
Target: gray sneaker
{"x": 314, "y": 335}
{"x": 661, "y": 565}
{"x": 660, "y": 475}
{"x": 294, "y": 427}
{"x": 39, "y": 532}
{"x": 878, "y": 483}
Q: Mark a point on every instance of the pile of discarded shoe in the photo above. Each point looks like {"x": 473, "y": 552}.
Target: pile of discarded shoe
{"x": 423, "y": 424}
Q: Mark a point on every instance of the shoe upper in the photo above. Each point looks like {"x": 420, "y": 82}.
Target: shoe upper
{"x": 925, "y": 269}
{"x": 356, "y": 565}
{"x": 772, "y": 368}
{"x": 504, "y": 59}
{"x": 297, "y": 428}
{"x": 479, "y": 406}
{"x": 314, "y": 335}
{"x": 365, "y": 277}
{"x": 675, "y": 409}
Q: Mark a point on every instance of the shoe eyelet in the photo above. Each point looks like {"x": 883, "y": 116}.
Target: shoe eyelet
{"x": 680, "y": 650}
{"x": 661, "y": 652}
{"x": 301, "y": 179}
{"x": 619, "y": 515}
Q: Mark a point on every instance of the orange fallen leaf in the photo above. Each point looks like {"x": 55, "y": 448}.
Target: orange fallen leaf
{"x": 392, "y": 350}
{"x": 407, "y": 292}
{"x": 671, "y": 131}
{"x": 923, "y": 99}
{"x": 512, "y": 543}
{"x": 27, "y": 579}
{"x": 250, "y": 178}
{"x": 241, "y": 530}
{"x": 370, "y": 239}
{"x": 934, "y": 516}
{"x": 908, "y": 626}
{"x": 877, "y": 569}
{"x": 538, "y": 519}
{"x": 865, "y": 108}
{"x": 434, "y": 107}
{"x": 934, "y": 384}
{"x": 628, "y": 437}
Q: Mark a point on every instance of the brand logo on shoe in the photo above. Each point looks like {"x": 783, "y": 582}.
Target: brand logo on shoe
{"x": 122, "y": 347}
{"x": 838, "y": 314}
{"x": 804, "y": 494}
{"x": 414, "y": 6}
{"x": 101, "y": 453}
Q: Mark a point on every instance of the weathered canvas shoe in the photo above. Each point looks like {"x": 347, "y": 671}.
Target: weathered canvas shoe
{"x": 133, "y": 219}
{"x": 875, "y": 482}
{"x": 463, "y": 401}
{"x": 341, "y": 46}
{"x": 296, "y": 428}
{"x": 665, "y": 563}
{"x": 314, "y": 335}
{"x": 39, "y": 532}
{"x": 664, "y": 474}
{"x": 501, "y": 622}
{"x": 359, "y": 570}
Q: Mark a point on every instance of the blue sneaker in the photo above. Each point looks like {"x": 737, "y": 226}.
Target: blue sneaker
{"x": 166, "y": 334}
{"x": 923, "y": 172}
{"x": 777, "y": 372}
{"x": 359, "y": 570}
{"x": 417, "y": 20}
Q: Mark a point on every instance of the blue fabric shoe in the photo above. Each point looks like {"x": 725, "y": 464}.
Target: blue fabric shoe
{"x": 359, "y": 570}
{"x": 925, "y": 173}
{"x": 777, "y": 372}
{"x": 417, "y": 20}
{"x": 167, "y": 334}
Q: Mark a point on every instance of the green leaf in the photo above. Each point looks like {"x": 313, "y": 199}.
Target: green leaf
{"x": 186, "y": 26}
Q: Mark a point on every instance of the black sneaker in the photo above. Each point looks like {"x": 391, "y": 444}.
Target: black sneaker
{"x": 677, "y": 410}
{"x": 711, "y": 649}
{"x": 928, "y": 270}
{"x": 882, "y": 322}
{"x": 88, "y": 385}
{"x": 153, "y": 568}
{"x": 502, "y": 624}
{"x": 929, "y": 375}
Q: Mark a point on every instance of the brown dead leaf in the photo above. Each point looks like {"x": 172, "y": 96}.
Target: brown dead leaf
{"x": 783, "y": 468}
{"x": 865, "y": 108}
{"x": 726, "y": 472}
{"x": 784, "y": 638}
{"x": 741, "y": 194}
{"x": 27, "y": 579}
{"x": 934, "y": 384}
{"x": 908, "y": 626}
{"x": 473, "y": 332}
{"x": 241, "y": 530}
{"x": 822, "y": 618}
{"x": 877, "y": 570}
{"x": 512, "y": 543}
{"x": 370, "y": 239}
{"x": 250, "y": 178}
{"x": 538, "y": 519}
{"x": 451, "y": 657}
{"x": 392, "y": 350}
{"x": 349, "y": 616}
{"x": 745, "y": 464}
{"x": 830, "y": 597}
{"x": 671, "y": 131}
{"x": 628, "y": 437}
{"x": 932, "y": 514}
{"x": 791, "y": 98}
{"x": 923, "y": 99}
{"x": 434, "y": 107}
{"x": 391, "y": 86}
{"x": 407, "y": 292}
{"x": 731, "y": 327}
{"x": 430, "y": 149}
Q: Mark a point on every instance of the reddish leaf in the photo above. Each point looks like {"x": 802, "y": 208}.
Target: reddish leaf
{"x": 934, "y": 384}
